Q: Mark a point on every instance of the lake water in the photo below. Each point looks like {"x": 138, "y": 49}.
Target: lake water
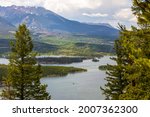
{"x": 79, "y": 86}
{"x": 4, "y": 61}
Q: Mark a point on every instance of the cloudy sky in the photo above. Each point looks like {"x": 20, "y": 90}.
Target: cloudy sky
{"x": 95, "y": 11}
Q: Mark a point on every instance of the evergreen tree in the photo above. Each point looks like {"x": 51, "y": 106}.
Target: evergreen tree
{"x": 23, "y": 79}
{"x": 115, "y": 79}
{"x": 134, "y": 63}
{"x": 138, "y": 73}
{"x": 141, "y": 8}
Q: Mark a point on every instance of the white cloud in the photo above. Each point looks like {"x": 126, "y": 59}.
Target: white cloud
{"x": 120, "y": 2}
{"x": 95, "y": 15}
{"x": 125, "y": 14}
{"x": 70, "y": 5}
{"x": 56, "y": 5}
{"x": 22, "y": 2}
{"x": 113, "y": 4}
{"x": 133, "y": 19}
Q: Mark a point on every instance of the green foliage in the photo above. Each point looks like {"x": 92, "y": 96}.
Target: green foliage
{"x": 141, "y": 8}
{"x": 3, "y": 72}
{"x": 138, "y": 65}
{"x": 139, "y": 80}
{"x": 70, "y": 45}
{"x": 115, "y": 79}
{"x": 23, "y": 79}
{"x": 131, "y": 75}
{"x": 103, "y": 67}
{"x": 39, "y": 47}
{"x": 59, "y": 70}
{"x": 66, "y": 45}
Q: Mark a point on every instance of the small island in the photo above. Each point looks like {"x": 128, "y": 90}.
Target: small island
{"x": 47, "y": 71}
{"x": 59, "y": 60}
{"x": 103, "y": 67}
{"x": 95, "y": 60}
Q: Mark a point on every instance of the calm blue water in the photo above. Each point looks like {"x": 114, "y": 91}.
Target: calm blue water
{"x": 79, "y": 86}
{"x": 4, "y": 61}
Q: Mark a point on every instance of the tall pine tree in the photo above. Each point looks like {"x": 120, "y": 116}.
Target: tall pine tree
{"x": 115, "y": 79}
{"x": 134, "y": 63}
{"x": 23, "y": 80}
{"x": 138, "y": 74}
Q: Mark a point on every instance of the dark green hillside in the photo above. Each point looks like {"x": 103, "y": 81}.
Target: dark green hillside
{"x": 6, "y": 26}
{"x": 97, "y": 47}
{"x": 38, "y": 46}
{"x": 79, "y": 45}
{"x": 4, "y": 46}
{"x": 70, "y": 46}
{"x": 43, "y": 47}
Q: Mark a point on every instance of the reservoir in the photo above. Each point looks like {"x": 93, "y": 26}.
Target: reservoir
{"x": 79, "y": 86}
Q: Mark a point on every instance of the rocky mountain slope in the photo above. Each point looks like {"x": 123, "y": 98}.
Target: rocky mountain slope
{"x": 40, "y": 20}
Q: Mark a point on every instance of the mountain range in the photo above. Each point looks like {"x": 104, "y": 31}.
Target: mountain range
{"x": 42, "y": 21}
{"x": 6, "y": 26}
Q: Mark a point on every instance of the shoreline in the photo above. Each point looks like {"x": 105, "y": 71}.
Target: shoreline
{"x": 47, "y": 71}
